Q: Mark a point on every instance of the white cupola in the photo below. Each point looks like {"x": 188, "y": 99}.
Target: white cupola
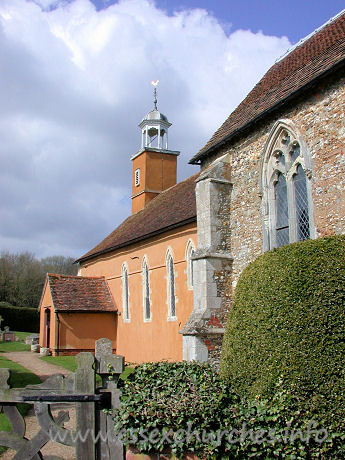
{"x": 154, "y": 127}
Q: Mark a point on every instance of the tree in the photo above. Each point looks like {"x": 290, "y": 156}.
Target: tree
{"x": 22, "y": 276}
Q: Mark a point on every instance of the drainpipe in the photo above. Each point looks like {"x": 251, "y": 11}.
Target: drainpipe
{"x": 58, "y": 333}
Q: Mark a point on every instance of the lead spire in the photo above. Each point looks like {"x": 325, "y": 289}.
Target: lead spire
{"x": 155, "y": 84}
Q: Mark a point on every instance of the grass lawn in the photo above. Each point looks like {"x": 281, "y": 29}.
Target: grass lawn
{"x": 22, "y": 335}
{"x": 20, "y": 377}
{"x": 16, "y": 346}
{"x": 128, "y": 371}
{"x": 13, "y": 346}
{"x": 68, "y": 362}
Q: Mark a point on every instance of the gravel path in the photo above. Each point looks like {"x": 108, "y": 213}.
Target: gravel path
{"x": 36, "y": 365}
{"x": 39, "y": 367}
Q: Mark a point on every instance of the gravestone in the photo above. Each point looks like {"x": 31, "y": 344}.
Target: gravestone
{"x": 32, "y": 339}
{"x": 6, "y": 335}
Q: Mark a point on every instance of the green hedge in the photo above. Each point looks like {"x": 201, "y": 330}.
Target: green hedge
{"x": 186, "y": 407}
{"x": 288, "y": 318}
{"x": 20, "y": 318}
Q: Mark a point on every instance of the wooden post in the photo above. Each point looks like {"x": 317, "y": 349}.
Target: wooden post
{"x": 85, "y": 411}
{"x": 107, "y": 364}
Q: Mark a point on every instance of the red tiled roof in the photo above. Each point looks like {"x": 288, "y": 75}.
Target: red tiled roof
{"x": 172, "y": 208}
{"x": 320, "y": 53}
{"x": 80, "y": 293}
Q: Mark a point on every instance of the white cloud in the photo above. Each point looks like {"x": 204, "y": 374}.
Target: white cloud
{"x": 46, "y": 4}
{"x": 74, "y": 84}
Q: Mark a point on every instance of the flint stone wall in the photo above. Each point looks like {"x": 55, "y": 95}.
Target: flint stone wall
{"x": 319, "y": 117}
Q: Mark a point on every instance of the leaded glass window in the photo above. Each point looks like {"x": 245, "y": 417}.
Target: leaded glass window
{"x": 171, "y": 286}
{"x": 191, "y": 268}
{"x": 286, "y": 189}
{"x": 125, "y": 293}
{"x": 282, "y": 211}
{"x": 295, "y": 152}
{"x": 301, "y": 204}
{"x": 280, "y": 159}
{"x": 189, "y": 262}
{"x": 146, "y": 293}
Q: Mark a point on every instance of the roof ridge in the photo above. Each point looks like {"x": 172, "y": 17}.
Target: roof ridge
{"x": 319, "y": 54}
{"x": 72, "y": 293}
{"x": 307, "y": 37}
{"x": 173, "y": 207}
{"x": 61, "y": 275}
{"x": 163, "y": 192}
{"x": 150, "y": 204}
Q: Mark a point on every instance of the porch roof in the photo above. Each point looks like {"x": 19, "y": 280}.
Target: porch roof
{"x": 80, "y": 294}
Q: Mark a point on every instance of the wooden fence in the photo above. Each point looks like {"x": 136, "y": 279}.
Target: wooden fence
{"x": 93, "y": 437}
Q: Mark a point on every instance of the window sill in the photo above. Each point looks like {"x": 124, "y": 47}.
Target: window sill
{"x": 172, "y": 318}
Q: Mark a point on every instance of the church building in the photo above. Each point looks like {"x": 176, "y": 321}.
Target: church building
{"x": 145, "y": 265}
{"x": 272, "y": 174}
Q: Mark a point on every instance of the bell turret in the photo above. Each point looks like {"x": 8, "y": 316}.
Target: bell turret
{"x": 154, "y": 166}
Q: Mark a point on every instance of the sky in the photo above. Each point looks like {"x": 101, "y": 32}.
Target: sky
{"x": 75, "y": 82}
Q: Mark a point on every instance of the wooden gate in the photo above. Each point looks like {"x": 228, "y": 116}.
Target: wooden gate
{"x": 93, "y": 437}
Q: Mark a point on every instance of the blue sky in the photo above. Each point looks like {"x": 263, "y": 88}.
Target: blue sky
{"x": 75, "y": 83}
{"x": 295, "y": 19}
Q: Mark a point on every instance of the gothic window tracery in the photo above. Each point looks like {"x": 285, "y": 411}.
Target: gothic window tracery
{"x": 286, "y": 188}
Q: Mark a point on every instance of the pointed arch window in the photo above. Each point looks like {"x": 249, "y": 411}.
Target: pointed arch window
{"x": 125, "y": 293}
{"x": 286, "y": 188}
{"x": 190, "y": 249}
{"x": 171, "y": 286}
{"x": 146, "y": 292}
{"x": 282, "y": 211}
{"x": 301, "y": 204}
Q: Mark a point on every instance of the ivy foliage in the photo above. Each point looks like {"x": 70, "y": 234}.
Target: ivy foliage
{"x": 288, "y": 317}
{"x": 186, "y": 407}
{"x": 165, "y": 396}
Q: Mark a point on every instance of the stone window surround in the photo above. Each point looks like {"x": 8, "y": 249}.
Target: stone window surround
{"x": 190, "y": 249}
{"x": 169, "y": 254}
{"x": 269, "y": 175}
